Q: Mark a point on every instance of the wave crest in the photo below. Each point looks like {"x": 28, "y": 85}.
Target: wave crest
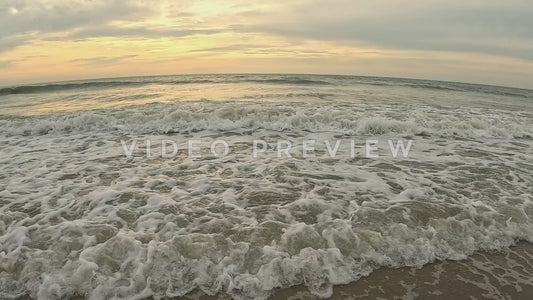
{"x": 225, "y": 116}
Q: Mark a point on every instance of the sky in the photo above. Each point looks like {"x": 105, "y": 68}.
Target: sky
{"x": 475, "y": 41}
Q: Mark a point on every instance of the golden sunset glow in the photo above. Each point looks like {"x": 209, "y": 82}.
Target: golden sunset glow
{"x": 88, "y": 39}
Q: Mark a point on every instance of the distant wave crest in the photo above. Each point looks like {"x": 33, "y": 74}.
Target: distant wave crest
{"x": 262, "y": 79}
{"x": 57, "y": 87}
{"x": 35, "y": 89}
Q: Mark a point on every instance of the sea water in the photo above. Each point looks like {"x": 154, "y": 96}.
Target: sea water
{"x": 80, "y": 217}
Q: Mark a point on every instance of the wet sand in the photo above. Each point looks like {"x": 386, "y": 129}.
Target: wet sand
{"x": 481, "y": 276}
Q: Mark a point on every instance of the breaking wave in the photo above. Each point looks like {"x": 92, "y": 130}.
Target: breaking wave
{"x": 79, "y": 218}
{"x": 220, "y": 116}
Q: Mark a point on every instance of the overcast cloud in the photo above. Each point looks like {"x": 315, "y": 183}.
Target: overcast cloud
{"x": 500, "y": 28}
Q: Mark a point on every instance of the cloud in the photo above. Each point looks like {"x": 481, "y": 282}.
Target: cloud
{"x": 231, "y": 48}
{"x": 55, "y": 15}
{"x": 55, "y": 20}
{"x": 4, "y": 64}
{"x": 491, "y": 27}
{"x": 309, "y": 35}
{"x": 10, "y": 42}
{"x": 23, "y": 20}
{"x": 103, "y": 60}
{"x": 134, "y": 32}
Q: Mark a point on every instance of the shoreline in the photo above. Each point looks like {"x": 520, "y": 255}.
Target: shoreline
{"x": 462, "y": 279}
{"x": 482, "y": 275}
{"x": 492, "y": 275}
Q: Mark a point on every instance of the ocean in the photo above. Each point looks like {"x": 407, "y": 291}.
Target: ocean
{"x": 80, "y": 217}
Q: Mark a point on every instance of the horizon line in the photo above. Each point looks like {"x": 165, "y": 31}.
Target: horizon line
{"x": 261, "y": 73}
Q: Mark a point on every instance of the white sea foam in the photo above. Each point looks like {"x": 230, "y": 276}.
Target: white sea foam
{"x": 77, "y": 217}
{"x": 225, "y": 116}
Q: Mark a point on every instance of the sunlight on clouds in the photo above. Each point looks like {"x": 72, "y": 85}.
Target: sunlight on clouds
{"x": 119, "y": 38}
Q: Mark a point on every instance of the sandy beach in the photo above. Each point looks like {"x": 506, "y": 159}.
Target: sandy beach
{"x": 481, "y": 276}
